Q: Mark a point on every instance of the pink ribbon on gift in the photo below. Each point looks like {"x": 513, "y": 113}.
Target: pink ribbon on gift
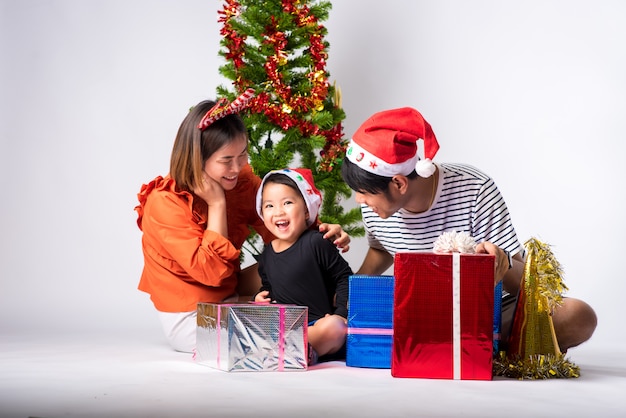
{"x": 281, "y": 333}
{"x": 218, "y": 329}
{"x": 369, "y": 331}
{"x": 281, "y": 338}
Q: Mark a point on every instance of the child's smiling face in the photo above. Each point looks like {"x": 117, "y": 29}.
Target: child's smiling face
{"x": 284, "y": 211}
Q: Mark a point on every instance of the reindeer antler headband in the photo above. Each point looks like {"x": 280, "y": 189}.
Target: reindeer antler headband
{"x": 223, "y": 108}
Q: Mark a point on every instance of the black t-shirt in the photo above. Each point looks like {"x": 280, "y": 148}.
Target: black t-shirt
{"x": 309, "y": 273}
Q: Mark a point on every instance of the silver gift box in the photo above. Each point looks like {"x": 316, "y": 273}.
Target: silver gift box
{"x": 252, "y": 337}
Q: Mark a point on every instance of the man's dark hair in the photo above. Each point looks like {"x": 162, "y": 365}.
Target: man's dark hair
{"x": 363, "y": 181}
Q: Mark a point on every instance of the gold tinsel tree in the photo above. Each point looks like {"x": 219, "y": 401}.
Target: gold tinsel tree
{"x": 533, "y": 351}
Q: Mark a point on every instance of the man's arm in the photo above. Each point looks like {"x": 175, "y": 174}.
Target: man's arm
{"x": 376, "y": 262}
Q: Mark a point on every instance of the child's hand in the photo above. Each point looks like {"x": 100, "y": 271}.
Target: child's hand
{"x": 263, "y": 297}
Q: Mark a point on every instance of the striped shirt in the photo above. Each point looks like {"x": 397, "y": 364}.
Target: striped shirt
{"x": 466, "y": 200}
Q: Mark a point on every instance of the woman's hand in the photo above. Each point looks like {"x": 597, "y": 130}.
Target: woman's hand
{"x": 210, "y": 191}
{"x": 335, "y": 233}
{"x": 213, "y": 194}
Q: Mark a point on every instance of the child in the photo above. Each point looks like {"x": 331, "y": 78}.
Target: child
{"x": 300, "y": 267}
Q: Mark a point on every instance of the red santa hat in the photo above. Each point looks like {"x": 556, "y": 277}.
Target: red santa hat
{"x": 304, "y": 180}
{"x": 386, "y": 144}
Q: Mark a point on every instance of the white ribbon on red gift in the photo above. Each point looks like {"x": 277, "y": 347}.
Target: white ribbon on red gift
{"x": 456, "y": 316}
{"x": 455, "y": 243}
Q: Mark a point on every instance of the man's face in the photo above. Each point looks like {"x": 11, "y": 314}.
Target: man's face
{"x": 384, "y": 204}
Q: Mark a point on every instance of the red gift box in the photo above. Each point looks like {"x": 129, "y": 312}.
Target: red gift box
{"x": 443, "y": 316}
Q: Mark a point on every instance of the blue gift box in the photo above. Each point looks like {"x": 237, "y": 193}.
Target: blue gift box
{"x": 497, "y": 317}
{"x": 370, "y": 321}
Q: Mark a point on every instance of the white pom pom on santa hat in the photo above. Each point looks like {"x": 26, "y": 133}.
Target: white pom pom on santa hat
{"x": 425, "y": 167}
{"x": 386, "y": 144}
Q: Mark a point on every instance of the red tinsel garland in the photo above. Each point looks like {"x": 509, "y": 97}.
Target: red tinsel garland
{"x": 279, "y": 104}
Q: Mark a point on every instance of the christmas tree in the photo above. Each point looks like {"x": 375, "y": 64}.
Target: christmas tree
{"x": 278, "y": 49}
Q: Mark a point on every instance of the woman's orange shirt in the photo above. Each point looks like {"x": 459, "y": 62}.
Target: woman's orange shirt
{"x": 183, "y": 262}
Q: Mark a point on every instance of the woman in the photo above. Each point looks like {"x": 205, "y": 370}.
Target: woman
{"x": 196, "y": 219}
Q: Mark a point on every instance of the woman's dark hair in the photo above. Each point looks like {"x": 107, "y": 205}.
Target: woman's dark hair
{"x": 363, "y": 181}
{"x": 193, "y": 146}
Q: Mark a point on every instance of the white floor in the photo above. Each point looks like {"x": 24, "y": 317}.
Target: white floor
{"x": 121, "y": 376}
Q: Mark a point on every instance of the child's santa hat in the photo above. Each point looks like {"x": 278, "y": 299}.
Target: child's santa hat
{"x": 304, "y": 180}
{"x": 386, "y": 144}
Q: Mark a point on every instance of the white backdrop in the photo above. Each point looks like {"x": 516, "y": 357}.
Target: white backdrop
{"x": 92, "y": 94}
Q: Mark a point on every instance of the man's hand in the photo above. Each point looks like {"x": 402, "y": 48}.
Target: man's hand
{"x": 335, "y": 233}
{"x": 502, "y": 260}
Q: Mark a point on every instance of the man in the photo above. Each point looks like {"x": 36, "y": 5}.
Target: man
{"x": 408, "y": 202}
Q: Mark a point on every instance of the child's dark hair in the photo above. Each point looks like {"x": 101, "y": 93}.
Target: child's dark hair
{"x": 280, "y": 178}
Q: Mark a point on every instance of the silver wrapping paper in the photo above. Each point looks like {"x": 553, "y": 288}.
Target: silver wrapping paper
{"x": 252, "y": 337}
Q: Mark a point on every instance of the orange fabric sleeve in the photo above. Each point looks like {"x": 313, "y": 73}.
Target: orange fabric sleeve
{"x": 183, "y": 263}
{"x": 205, "y": 255}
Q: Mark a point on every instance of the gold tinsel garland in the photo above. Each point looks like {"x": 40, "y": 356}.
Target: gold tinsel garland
{"x": 533, "y": 351}
{"x": 534, "y": 367}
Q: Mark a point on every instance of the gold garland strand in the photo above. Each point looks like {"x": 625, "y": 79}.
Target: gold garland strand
{"x": 535, "y": 367}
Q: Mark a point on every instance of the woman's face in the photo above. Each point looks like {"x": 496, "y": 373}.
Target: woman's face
{"x": 226, "y": 163}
